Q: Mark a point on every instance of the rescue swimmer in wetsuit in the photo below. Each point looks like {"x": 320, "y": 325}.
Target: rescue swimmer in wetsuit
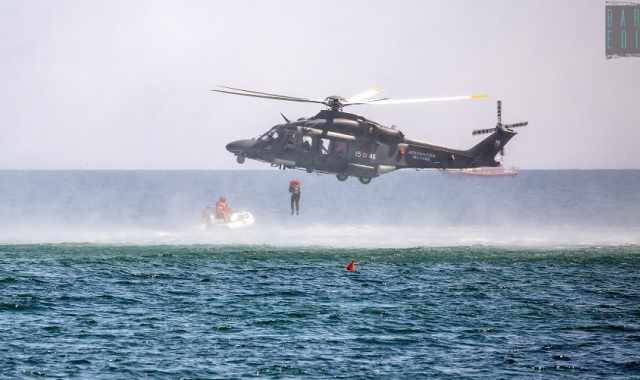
{"x": 295, "y": 190}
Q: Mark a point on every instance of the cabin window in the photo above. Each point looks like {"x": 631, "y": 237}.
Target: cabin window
{"x": 307, "y": 142}
{"x": 340, "y": 148}
{"x": 324, "y": 146}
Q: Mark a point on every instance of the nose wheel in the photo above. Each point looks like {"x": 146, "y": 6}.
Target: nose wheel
{"x": 364, "y": 180}
{"x": 342, "y": 177}
{"x": 240, "y": 159}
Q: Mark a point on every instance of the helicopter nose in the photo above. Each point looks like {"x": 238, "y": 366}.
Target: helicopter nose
{"x": 239, "y": 146}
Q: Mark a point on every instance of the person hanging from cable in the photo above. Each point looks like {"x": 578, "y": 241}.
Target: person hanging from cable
{"x": 295, "y": 190}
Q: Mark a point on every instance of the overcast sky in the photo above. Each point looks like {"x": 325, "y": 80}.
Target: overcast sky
{"x": 124, "y": 85}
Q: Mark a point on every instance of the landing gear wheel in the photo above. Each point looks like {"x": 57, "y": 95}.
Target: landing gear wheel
{"x": 240, "y": 159}
{"x": 364, "y": 180}
{"x": 342, "y": 177}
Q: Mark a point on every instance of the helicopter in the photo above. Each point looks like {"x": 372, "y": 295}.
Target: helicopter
{"x": 350, "y": 145}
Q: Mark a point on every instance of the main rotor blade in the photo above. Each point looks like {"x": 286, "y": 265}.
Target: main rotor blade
{"x": 482, "y": 131}
{"x": 287, "y": 99}
{"x": 517, "y": 125}
{"x": 371, "y": 101}
{"x": 428, "y": 100}
{"x": 235, "y": 89}
{"x": 364, "y": 95}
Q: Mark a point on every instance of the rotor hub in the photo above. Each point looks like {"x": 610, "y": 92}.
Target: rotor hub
{"x": 335, "y": 102}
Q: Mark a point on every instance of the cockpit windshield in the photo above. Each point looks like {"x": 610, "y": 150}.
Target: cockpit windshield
{"x": 271, "y": 135}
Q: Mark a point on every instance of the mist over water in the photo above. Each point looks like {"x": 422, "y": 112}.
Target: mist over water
{"x": 469, "y": 277}
{"x": 402, "y": 209}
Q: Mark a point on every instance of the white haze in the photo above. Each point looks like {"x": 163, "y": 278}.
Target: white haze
{"x": 329, "y": 236}
{"x": 401, "y": 209}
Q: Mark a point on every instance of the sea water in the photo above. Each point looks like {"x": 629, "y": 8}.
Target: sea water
{"x": 107, "y": 274}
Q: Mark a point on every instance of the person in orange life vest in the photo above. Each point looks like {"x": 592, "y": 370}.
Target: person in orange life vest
{"x": 223, "y": 211}
{"x": 351, "y": 267}
{"x": 295, "y": 190}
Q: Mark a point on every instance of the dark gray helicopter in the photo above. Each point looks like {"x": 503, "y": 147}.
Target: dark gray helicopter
{"x": 347, "y": 145}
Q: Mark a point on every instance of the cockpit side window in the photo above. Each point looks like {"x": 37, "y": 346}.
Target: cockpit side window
{"x": 291, "y": 141}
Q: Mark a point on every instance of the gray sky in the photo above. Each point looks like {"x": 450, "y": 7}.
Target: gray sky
{"x": 124, "y": 85}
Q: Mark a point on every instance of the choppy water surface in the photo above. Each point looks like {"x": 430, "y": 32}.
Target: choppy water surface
{"x": 240, "y": 311}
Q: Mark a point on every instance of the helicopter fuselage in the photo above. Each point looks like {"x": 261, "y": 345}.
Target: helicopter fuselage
{"x": 347, "y": 145}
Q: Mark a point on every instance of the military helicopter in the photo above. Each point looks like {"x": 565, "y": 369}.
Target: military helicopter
{"x": 349, "y": 145}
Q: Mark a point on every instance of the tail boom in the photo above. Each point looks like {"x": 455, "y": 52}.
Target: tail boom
{"x": 419, "y": 155}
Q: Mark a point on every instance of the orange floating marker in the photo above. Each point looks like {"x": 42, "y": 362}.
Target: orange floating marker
{"x": 351, "y": 267}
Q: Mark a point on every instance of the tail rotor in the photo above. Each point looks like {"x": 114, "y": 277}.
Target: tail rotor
{"x": 500, "y": 128}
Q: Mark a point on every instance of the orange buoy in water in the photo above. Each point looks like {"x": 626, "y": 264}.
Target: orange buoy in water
{"x": 351, "y": 267}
